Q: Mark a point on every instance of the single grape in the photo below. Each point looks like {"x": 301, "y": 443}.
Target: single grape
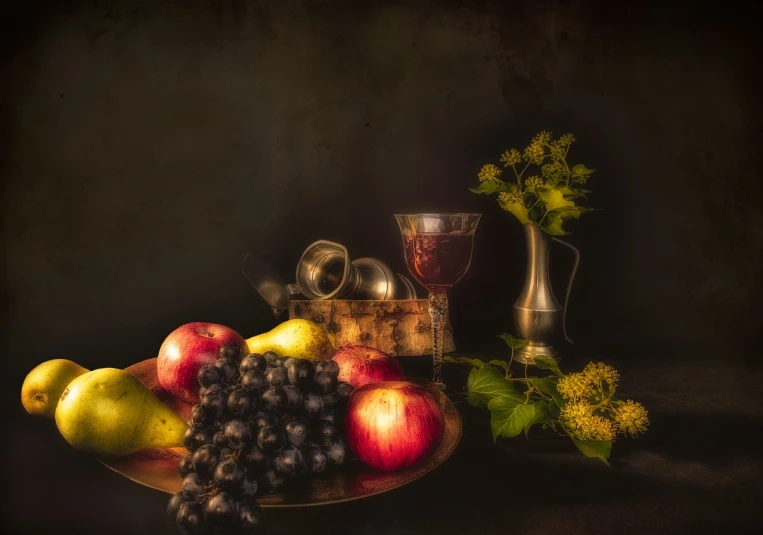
{"x": 331, "y": 417}
{"x": 205, "y": 459}
{"x": 316, "y": 457}
{"x": 190, "y": 518}
{"x": 259, "y": 420}
{"x": 289, "y": 463}
{"x": 199, "y": 415}
{"x": 229, "y": 475}
{"x": 326, "y": 433}
{"x": 274, "y": 399}
{"x": 254, "y": 382}
{"x": 297, "y": 431}
{"x": 294, "y": 398}
{"x": 327, "y": 365}
{"x": 195, "y": 436}
{"x": 214, "y": 403}
{"x": 217, "y": 387}
{"x": 176, "y": 501}
{"x": 313, "y": 404}
{"x": 253, "y": 363}
{"x": 270, "y": 439}
{"x": 231, "y": 351}
{"x": 219, "y": 440}
{"x": 251, "y": 517}
{"x": 209, "y": 375}
{"x": 249, "y": 487}
{"x": 301, "y": 374}
{"x": 193, "y": 484}
{"x": 186, "y": 465}
{"x": 277, "y": 376}
{"x": 240, "y": 403}
{"x": 272, "y": 480}
{"x": 336, "y": 453}
{"x": 239, "y": 434}
{"x": 270, "y": 357}
{"x": 219, "y": 424}
{"x": 221, "y": 509}
{"x": 325, "y": 382}
{"x": 331, "y": 400}
{"x": 255, "y": 461}
{"x": 228, "y": 368}
{"x": 344, "y": 390}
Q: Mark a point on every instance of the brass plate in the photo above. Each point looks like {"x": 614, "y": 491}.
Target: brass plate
{"x": 157, "y": 468}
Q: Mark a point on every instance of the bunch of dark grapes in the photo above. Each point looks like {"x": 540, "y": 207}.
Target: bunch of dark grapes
{"x": 259, "y": 426}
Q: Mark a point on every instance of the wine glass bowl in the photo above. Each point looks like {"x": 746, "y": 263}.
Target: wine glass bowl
{"x": 438, "y": 253}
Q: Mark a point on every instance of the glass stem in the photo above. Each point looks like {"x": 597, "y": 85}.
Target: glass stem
{"x": 438, "y": 312}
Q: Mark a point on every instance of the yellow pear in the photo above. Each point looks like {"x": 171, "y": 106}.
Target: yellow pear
{"x": 110, "y": 413}
{"x": 298, "y": 338}
{"x": 45, "y": 384}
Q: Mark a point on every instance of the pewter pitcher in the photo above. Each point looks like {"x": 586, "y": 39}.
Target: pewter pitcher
{"x": 537, "y": 314}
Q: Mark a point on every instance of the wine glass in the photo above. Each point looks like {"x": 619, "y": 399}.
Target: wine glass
{"x": 438, "y": 252}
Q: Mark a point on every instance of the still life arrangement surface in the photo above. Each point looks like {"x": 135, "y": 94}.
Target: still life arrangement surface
{"x": 319, "y": 409}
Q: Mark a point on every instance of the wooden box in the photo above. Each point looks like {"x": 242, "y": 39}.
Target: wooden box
{"x": 399, "y": 328}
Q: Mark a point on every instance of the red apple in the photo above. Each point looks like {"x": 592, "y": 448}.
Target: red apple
{"x": 360, "y": 365}
{"x": 392, "y": 425}
{"x": 187, "y": 349}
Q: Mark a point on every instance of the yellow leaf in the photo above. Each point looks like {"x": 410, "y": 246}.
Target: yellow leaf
{"x": 517, "y": 209}
{"x": 554, "y": 198}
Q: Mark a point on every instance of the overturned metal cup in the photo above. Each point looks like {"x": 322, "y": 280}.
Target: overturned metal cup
{"x": 326, "y": 271}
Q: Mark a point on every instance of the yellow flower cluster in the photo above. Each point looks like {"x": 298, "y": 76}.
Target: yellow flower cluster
{"x": 575, "y": 387}
{"x": 551, "y": 170}
{"x": 511, "y": 157}
{"x": 566, "y": 140}
{"x": 512, "y": 196}
{"x": 599, "y": 373}
{"x": 533, "y": 182}
{"x": 631, "y": 418}
{"x": 578, "y": 418}
{"x": 534, "y": 153}
{"x": 489, "y": 172}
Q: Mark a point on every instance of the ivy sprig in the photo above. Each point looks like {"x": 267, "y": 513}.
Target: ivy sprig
{"x": 579, "y": 405}
{"x": 548, "y": 198}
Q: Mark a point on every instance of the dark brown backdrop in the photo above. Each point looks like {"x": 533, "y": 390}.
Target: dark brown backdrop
{"x": 147, "y": 146}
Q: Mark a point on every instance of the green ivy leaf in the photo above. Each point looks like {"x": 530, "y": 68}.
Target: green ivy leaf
{"x": 552, "y": 224}
{"x": 547, "y": 385}
{"x": 487, "y": 187}
{"x": 519, "y": 210}
{"x": 500, "y": 363}
{"x": 513, "y": 343}
{"x": 554, "y": 198}
{"x": 581, "y": 170}
{"x": 487, "y": 383}
{"x": 599, "y": 449}
{"x": 509, "y": 416}
{"x": 541, "y": 416}
{"x": 477, "y": 363}
{"x": 547, "y": 363}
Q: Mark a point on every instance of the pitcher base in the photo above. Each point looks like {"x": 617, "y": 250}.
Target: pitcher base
{"x": 527, "y": 354}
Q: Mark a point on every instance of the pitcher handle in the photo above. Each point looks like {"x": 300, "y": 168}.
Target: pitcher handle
{"x": 569, "y": 285}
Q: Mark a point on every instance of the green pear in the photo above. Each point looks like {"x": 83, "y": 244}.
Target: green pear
{"x": 298, "y": 338}
{"x": 45, "y": 384}
{"x": 110, "y": 413}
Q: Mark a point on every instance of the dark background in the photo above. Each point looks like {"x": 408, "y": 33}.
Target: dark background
{"x": 146, "y": 146}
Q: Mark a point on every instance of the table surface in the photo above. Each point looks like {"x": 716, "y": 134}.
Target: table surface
{"x": 698, "y": 469}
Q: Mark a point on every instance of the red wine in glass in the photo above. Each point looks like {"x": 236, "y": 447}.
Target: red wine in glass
{"x": 438, "y": 260}
{"x": 438, "y": 252}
